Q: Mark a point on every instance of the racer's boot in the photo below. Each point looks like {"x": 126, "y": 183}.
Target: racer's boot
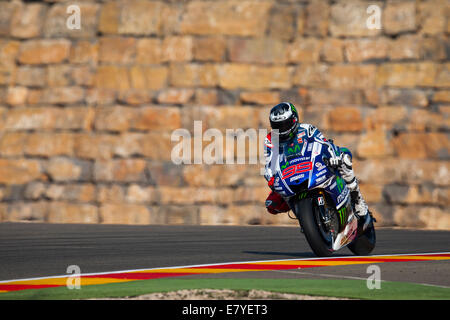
{"x": 362, "y": 212}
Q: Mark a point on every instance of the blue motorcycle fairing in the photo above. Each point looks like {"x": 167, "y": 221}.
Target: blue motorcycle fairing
{"x": 301, "y": 168}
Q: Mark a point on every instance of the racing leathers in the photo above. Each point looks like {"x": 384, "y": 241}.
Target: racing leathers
{"x": 340, "y": 158}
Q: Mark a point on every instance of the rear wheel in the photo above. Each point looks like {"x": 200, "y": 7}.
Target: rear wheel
{"x": 316, "y": 233}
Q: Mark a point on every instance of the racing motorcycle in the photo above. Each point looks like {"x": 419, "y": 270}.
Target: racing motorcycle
{"x": 319, "y": 198}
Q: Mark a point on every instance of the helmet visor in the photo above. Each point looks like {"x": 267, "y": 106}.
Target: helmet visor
{"x": 284, "y": 127}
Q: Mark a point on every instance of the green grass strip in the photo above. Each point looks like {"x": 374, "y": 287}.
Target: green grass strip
{"x": 319, "y": 287}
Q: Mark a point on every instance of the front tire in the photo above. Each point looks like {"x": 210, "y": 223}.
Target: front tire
{"x": 307, "y": 216}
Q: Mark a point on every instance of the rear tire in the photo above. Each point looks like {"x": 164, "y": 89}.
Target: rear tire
{"x": 304, "y": 211}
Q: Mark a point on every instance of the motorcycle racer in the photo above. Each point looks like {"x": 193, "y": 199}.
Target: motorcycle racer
{"x": 285, "y": 120}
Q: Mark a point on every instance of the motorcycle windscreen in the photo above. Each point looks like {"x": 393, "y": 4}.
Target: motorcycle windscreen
{"x": 293, "y": 149}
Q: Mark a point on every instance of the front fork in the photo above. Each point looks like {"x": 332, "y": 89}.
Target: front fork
{"x": 324, "y": 212}
{"x": 320, "y": 200}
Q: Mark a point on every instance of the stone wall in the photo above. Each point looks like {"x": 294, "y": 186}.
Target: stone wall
{"x": 86, "y": 115}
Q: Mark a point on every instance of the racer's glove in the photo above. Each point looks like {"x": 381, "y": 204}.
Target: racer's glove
{"x": 335, "y": 161}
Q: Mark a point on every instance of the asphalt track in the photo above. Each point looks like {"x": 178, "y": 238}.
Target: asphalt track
{"x": 30, "y": 250}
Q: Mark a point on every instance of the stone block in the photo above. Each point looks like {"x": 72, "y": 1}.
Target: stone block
{"x": 124, "y": 214}
{"x": 366, "y": 49}
{"x": 234, "y": 18}
{"x": 305, "y": 50}
{"x": 317, "y": 18}
{"x": 136, "y": 17}
{"x": 117, "y": 50}
{"x": 63, "y": 169}
{"x": 261, "y": 51}
{"x": 149, "y": 51}
{"x": 124, "y": 170}
{"x": 252, "y": 77}
{"x": 177, "y": 49}
{"x": 19, "y": 171}
{"x": 27, "y": 20}
{"x": 399, "y": 16}
{"x": 346, "y": 119}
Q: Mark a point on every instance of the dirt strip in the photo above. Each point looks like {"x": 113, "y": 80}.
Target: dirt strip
{"x": 214, "y": 294}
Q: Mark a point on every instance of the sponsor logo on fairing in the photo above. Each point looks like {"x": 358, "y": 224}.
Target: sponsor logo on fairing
{"x": 293, "y": 149}
{"x": 320, "y": 179}
{"x": 299, "y": 159}
{"x": 343, "y": 195}
{"x": 300, "y": 176}
{"x": 296, "y": 169}
{"x": 321, "y": 201}
{"x": 321, "y": 173}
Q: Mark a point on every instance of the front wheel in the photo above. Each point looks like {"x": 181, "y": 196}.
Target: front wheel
{"x": 315, "y": 232}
